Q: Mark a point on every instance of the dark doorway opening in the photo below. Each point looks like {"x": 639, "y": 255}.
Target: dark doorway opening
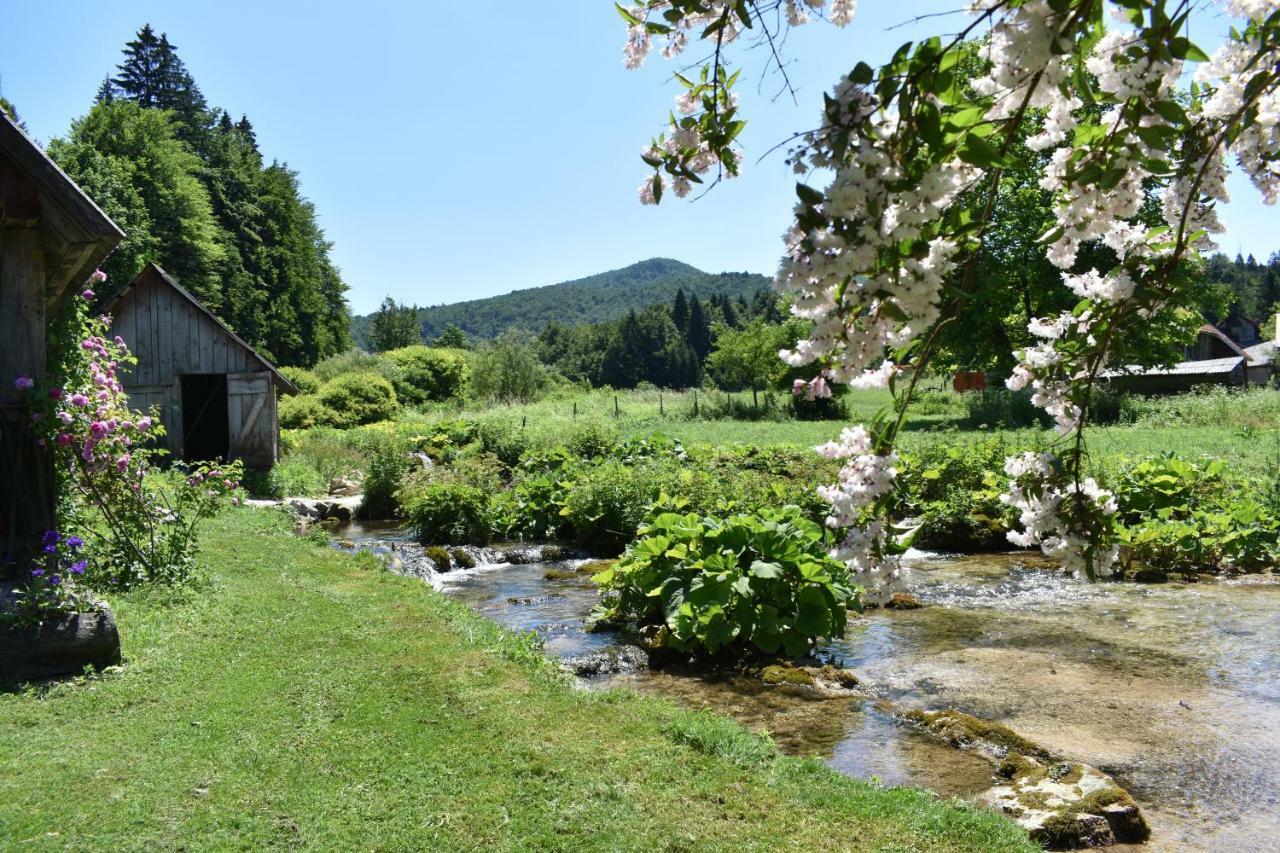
{"x": 205, "y": 432}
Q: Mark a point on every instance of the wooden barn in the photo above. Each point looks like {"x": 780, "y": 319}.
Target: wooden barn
{"x": 217, "y": 395}
{"x": 52, "y": 237}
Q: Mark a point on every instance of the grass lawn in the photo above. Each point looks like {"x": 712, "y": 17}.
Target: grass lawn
{"x": 305, "y": 698}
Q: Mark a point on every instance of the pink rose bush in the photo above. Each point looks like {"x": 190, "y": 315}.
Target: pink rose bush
{"x": 138, "y": 522}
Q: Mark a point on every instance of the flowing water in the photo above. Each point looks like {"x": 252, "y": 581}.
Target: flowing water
{"x": 1172, "y": 689}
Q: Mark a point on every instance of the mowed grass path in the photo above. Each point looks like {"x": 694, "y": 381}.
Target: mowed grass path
{"x": 304, "y": 698}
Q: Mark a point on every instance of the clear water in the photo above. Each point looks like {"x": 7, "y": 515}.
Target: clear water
{"x": 1174, "y": 690}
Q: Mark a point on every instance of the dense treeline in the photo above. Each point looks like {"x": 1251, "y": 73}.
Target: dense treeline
{"x": 602, "y": 297}
{"x": 1244, "y": 288}
{"x": 193, "y": 193}
{"x": 663, "y": 345}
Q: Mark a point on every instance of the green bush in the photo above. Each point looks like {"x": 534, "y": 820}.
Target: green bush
{"x": 448, "y": 514}
{"x": 387, "y": 467}
{"x": 504, "y": 439}
{"x": 427, "y": 374}
{"x": 353, "y": 399}
{"x": 606, "y": 505}
{"x": 745, "y": 584}
{"x": 305, "y": 380}
{"x": 354, "y": 361}
{"x": 953, "y": 493}
{"x": 534, "y": 508}
{"x": 303, "y": 411}
{"x": 286, "y": 479}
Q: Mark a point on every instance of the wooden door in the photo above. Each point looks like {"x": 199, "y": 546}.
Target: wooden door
{"x": 253, "y": 428}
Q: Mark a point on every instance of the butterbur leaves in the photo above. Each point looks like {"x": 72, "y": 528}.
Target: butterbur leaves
{"x": 746, "y": 583}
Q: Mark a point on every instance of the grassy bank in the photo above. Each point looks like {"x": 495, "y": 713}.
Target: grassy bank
{"x": 305, "y": 698}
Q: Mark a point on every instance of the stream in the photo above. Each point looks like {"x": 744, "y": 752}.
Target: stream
{"x": 1172, "y": 689}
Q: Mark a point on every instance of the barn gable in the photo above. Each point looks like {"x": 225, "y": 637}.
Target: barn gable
{"x": 216, "y": 394}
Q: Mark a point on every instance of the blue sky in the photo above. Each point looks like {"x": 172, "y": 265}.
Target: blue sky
{"x": 457, "y": 150}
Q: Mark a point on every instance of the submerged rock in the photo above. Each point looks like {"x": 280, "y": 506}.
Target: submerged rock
{"x": 610, "y": 661}
{"x": 828, "y": 682}
{"x": 439, "y": 557}
{"x": 903, "y": 601}
{"x": 1062, "y": 804}
{"x": 1066, "y": 805}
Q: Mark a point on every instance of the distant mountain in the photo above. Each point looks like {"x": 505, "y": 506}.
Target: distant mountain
{"x": 604, "y": 296}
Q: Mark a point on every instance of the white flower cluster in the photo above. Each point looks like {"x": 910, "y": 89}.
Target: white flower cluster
{"x": 1035, "y": 490}
{"x": 1023, "y": 62}
{"x": 1229, "y": 71}
{"x": 865, "y": 477}
{"x": 840, "y": 14}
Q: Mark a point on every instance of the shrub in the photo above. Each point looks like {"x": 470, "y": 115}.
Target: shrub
{"x": 303, "y": 411}
{"x": 354, "y": 361}
{"x": 504, "y": 439}
{"x": 606, "y": 505}
{"x": 534, "y": 508}
{"x": 745, "y": 584}
{"x": 954, "y": 493}
{"x": 358, "y": 398}
{"x": 1000, "y": 407}
{"x": 387, "y": 467}
{"x": 290, "y": 477}
{"x": 448, "y": 514}
{"x": 305, "y": 380}
{"x": 426, "y": 373}
{"x": 508, "y": 370}
{"x": 592, "y": 439}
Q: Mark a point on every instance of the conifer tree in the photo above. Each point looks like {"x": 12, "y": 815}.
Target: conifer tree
{"x": 393, "y": 326}
{"x": 107, "y": 91}
{"x": 699, "y": 334}
{"x": 680, "y": 312}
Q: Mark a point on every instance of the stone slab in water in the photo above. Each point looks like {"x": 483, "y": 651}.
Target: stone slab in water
{"x": 62, "y": 645}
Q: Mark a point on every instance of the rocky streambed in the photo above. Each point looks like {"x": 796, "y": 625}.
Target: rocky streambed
{"x": 1169, "y": 692}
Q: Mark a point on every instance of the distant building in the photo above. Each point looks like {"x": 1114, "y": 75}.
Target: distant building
{"x": 217, "y": 395}
{"x": 1216, "y": 357}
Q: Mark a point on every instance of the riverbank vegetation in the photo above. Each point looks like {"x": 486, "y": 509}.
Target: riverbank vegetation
{"x": 301, "y": 697}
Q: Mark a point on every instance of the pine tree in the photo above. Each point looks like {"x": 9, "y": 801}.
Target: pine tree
{"x": 153, "y": 76}
{"x": 454, "y": 338}
{"x": 728, "y": 311}
{"x": 140, "y": 74}
{"x": 393, "y": 326}
{"x": 699, "y": 335}
{"x": 7, "y": 107}
{"x": 107, "y": 91}
{"x": 246, "y": 129}
{"x": 680, "y": 312}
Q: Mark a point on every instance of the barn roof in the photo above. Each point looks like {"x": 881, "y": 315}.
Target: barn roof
{"x": 1205, "y": 367}
{"x": 156, "y": 269}
{"x": 1214, "y": 332}
{"x": 1263, "y": 352}
{"x": 74, "y": 232}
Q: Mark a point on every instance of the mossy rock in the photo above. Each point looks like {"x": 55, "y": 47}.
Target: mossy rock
{"x": 778, "y": 674}
{"x": 903, "y": 601}
{"x": 439, "y": 556}
{"x": 595, "y": 567}
{"x": 964, "y": 731}
{"x": 462, "y": 558}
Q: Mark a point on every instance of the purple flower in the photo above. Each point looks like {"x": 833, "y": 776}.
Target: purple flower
{"x": 55, "y": 580}
{"x": 23, "y": 382}
{"x": 75, "y": 543}
{"x": 77, "y": 568}
{"x": 79, "y": 400}
{"x": 55, "y": 393}
{"x": 98, "y": 276}
{"x": 51, "y": 537}
{"x": 35, "y": 573}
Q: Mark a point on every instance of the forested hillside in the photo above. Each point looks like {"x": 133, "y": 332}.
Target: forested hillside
{"x": 597, "y": 298}
{"x": 193, "y": 192}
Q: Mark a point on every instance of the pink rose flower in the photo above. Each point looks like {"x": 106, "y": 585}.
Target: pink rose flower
{"x": 98, "y": 276}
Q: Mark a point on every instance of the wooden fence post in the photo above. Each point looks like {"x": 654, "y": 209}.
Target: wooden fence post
{"x": 695, "y": 402}
{"x": 575, "y": 410}
{"x": 661, "y": 411}
{"x": 616, "y": 413}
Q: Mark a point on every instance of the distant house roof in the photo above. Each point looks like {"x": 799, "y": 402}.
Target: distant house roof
{"x": 155, "y": 269}
{"x": 75, "y": 234}
{"x": 1214, "y": 331}
{"x": 1205, "y": 367}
